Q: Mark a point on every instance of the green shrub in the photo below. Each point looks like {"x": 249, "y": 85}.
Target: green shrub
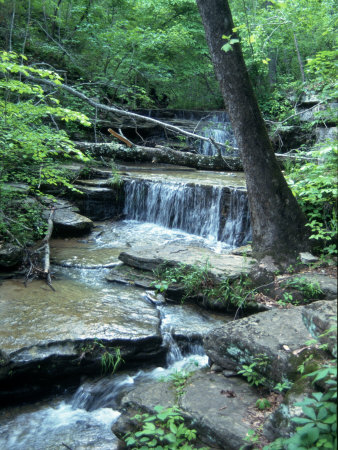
{"x": 318, "y": 423}
{"x": 165, "y": 429}
{"x": 198, "y": 281}
{"x": 30, "y": 149}
{"x": 315, "y": 185}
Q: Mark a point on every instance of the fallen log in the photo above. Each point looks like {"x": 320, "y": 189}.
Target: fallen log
{"x": 161, "y": 155}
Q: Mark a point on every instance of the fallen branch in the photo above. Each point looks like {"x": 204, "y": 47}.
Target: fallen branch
{"x": 33, "y": 258}
{"x": 47, "y": 249}
{"x": 122, "y": 112}
{"x": 121, "y": 138}
{"x": 161, "y": 155}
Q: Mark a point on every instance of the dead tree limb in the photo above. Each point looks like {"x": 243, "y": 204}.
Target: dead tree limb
{"x": 34, "y": 271}
{"x": 47, "y": 249}
{"x": 160, "y": 155}
{"x": 122, "y": 112}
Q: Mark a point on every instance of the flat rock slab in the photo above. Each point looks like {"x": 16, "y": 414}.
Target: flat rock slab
{"x": 69, "y": 223}
{"x": 216, "y": 406}
{"x": 276, "y": 334}
{"x": 130, "y": 275}
{"x": 150, "y": 257}
{"x": 65, "y": 329}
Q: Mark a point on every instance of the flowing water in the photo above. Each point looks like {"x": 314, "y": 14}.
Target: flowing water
{"x": 83, "y": 420}
{"x": 212, "y": 212}
{"x": 216, "y": 126}
{"x": 194, "y": 207}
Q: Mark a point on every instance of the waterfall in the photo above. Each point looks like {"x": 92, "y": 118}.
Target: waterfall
{"x": 237, "y": 230}
{"x": 217, "y": 127}
{"x": 195, "y": 209}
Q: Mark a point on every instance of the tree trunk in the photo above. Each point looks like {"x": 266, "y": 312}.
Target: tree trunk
{"x": 276, "y": 218}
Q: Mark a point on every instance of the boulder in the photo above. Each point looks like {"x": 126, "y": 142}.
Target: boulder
{"x": 217, "y": 407}
{"x": 10, "y": 255}
{"x": 67, "y": 222}
{"x": 274, "y": 337}
{"x": 320, "y": 317}
{"x": 49, "y": 338}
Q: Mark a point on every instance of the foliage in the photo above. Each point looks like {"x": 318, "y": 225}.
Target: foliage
{"x": 164, "y": 429}
{"x": 110, "y": 361}
{"x": 252, "y": 372}
{"x": 21, "y": 215}
{"x": 153, "y": 53}
{"x": 314, "y": 184}
{"x": 116, "y": 177}
{"x": 263, "y": 403}
{"x": 30, "y": 150}
{"x": 318, "y": 422}
{"x": 309, "y": 289}
{"x": 195, "y": 279}
{"x": 198, "y": 281}
{"x": 285, "y": 53}
{"x": 281, "y": 387}
{"x": 252, "y": 437}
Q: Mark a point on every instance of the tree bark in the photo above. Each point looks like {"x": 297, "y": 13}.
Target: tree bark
{"x": 162, "y": 155}
{"x": 278, "y": 224}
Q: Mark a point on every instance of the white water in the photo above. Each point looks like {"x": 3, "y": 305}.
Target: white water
{"x": 195, "y": 209}
{"x": 84, "y": 420}
{"x": 217, "y": 127}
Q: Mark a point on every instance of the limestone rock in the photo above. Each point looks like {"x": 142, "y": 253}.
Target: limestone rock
{"x": 10, "y": 255}
{"x": 48, "y": 335}
{"x": 320, "y": 317}
{"x": 150, "y": 257}
{"x": 97, "y": 202}
{"x": 276, "y": 334}
{"x": 69, "y": 223}
{"x": 215, "y": 406}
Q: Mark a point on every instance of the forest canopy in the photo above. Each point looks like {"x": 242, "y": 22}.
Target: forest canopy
{"x": 153, "y": 54}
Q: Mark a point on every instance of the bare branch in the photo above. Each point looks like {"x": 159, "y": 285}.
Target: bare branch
{"x": 122, "y": 112}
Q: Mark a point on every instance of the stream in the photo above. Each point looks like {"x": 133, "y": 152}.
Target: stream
{"x": 162, "y": 208}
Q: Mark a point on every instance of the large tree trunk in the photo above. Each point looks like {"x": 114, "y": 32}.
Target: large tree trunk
{"x": 276, "y": 218}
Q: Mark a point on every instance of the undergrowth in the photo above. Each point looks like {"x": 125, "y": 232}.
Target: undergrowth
{"x": 198, "y": 281}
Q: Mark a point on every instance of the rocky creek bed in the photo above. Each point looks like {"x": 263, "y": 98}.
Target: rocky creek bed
{"x": 50, "y": 341}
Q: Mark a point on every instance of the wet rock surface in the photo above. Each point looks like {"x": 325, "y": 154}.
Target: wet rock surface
{"x": 275, "y": 335}
{"x": 67, "y": 221}
{"x": 151, "y": 257}
{"x": 214, "y": 405}
{"x": 129, "y": 275}
{"x": 48, "y": 334}
{"x": 99, "y": 203}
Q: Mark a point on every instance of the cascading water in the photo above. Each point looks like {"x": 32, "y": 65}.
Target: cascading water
{"x": 217, "y": 127}
{"x": 196, "y": 209}
{"x": 84, "y": 420}
{"x": 237, "y": 230}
